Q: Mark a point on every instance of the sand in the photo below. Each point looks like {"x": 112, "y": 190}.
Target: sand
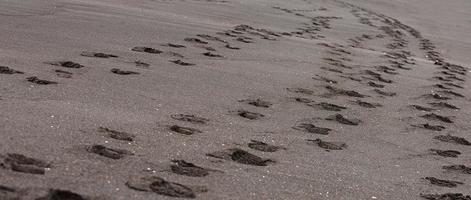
{"x": 235, "y": 99}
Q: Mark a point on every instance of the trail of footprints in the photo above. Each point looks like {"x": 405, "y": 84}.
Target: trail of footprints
{"x": 449, "y": 80}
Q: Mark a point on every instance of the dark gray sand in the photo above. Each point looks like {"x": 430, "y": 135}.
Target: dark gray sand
{"x": 235, "y": 99}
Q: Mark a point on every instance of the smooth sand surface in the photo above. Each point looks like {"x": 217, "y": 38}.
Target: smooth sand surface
{"x": 235, "y": 99}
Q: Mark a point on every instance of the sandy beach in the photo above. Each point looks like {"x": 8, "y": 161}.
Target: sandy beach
{"x": 235, "y": 99}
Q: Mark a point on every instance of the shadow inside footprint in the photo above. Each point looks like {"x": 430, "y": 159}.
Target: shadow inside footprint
{"x": 341, "y": 119}
{"x": 209, "y": 54}
{"x": 262, "y": 146}
{"x": 174, "y": 45}
{"x": 54, "y": 194}
{"x": 249, "y": 115}
{"x": 311, "y": 128}
{"x": 329, "y": 106}
{"x": 257, "y": 102}
{"x": 182, "y": 167}
{"x": 24, "y": 164}
{"x": 300, "y": 90}
{"x": 430, "y": 127}
{"x": 329, "y": 145}
{"x": 190, "y": 118}
{"x": 240, "y": 156}
{"x": 444, "y": 105}
{"x": 66, "y": 64}
{"x": 36, "y": 80}
{"x": 97, "y": 55}
{"x": 182, "y": 63}
{"x": 63, "y": 74}
{"x": 108, "y": 152}
{"x": 443, "y": 183}
{"x": 458, "y": 168}
{"x": 422, "y": 108}
{"x": 389, "y": 94}
{"x": 122, "y": 72}
{"x": 452, "y": 139}
{"x": 146, "y": 50}
{"x": 184, "y": 130}
{"x": 434, "y": 116}
{"x": 446, "y": 153}
{"x": 195, "y": 40}
{"x": 350, "y": 93}
{"x": 118, "y": 135}
{"x": 7, "y": 70}
{"x": 446, "y": 196}
{"x": 367, "y": 104}
{"x": 160, "y": 186}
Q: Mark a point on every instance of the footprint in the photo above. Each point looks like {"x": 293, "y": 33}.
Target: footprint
{"x": 249, "y": 115}
{"x": 66, "y": 64}
{"x": 209, "y": 37}
{"x": 118, "y": 135}
{"x": 446, "y": 196}
{"x": 300, "y": 90}
{"x": 443, "y": 183}
{"x": 452, "y": 139}
{"x": 389, "y": 94}
{"x": 240, "y": 156}
{"x": 184, "y": 130}
{"x": 146, "y": 50}
{"x": 63, "y": 74}
{"x": 7, "y": 70}
{"x": 123, "y": 72}
{"x": 244, "y": 40}
{"x": 446, "y": 153}
{"x": 434, "y": 116}
{"x": 458, "y": 168}
{"x": 262, "y": 146}
{"x": 195, "y": 40}
{"x": 329, "y": 106}
{"x": 373, "y": 84}
{"x": 449, "y": 92}
{"x": 97, "y": 55}
{"x": 257, "y": 102}
{"x": 341, "y": 119}
{"x": 190, "y": 118}
{"x": 311, "y": 128}
{"x": 444, "y": 105}
{"x": 34, "y": 79}
{"x": 350, "y": 93}
{"x": 329, "y": 145}
{"x": 209, "y": 54}
{"x": 231, "y": 47}
{"x": 24, "y": 164}
{"x": 57, "y": 194}
{"x": 108, "y": 152}
{"x": 174, "y": 45}
{"x": 422, "y": 108}
{"x": 303, "y": 100}
{"x": 182, "y": 63}
{"x": 184, "y": 168}
{"x": 454, "y": 85}
{"x": 367, "y": 104}
{"x": 435, "y": 96}
{"x": 141, "y": 64}
{"x": 10, "y": 193}
{"x": 430, "y": 127}
{"x": 160, "y": 186}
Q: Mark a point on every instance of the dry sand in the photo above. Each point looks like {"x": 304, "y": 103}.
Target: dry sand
{"x": 235, "y": 99}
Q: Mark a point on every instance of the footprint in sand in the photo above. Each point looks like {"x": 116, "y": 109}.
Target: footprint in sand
{"x": 444, "y": 105}
{"x": 141, "y": 64}
{"x": 430, "y": 127}
{"x": 184, "y": 168}
{"x": 209, "y": 54}
{"x": 117, "y": 135}
{"x": 249, "y": 115}
{"x": 162, "y": 187}
{"x": 458, "y": 168}
{"x": 231, "y": 47}
{"x": 36, "y": 80}
{"x": 446, "y": 196}
{"x": 257, "y": 102}
{"x": 343, "y": 120}
{"x": 123, "y": 72}
{"x": 240, "y": 156}
{"x": 195, "y": 40}
{"x": 452, "y": 139}
{"x": 190, "y": 118}
{"x": 108, "y": 152}
{"x": 66, "y": 64}
{"x": 146, "y": 50}
{"x": 301, "y": 91}
{"x": 23, "y": 164}
{"x": 328, "y": 106}
{"x": 97, "y": 55}
{"x": 311, "y": 128}
{"x": 436, "y": 117}
{"x": 442, "y": 182}
{"x": 338, "y": 91}
{"x": 446, "y": 153}
{"x": 63, "y": 73}
{"x": 329, "y": 145}
{"x": 174, "y": 45}
{"x": 262, "y": 146}
{"x": 421, "y": 108}
{"x": 181, "y": 62}
{"x": 184, "y": 130}
{"x": 8, "y": 70}
{"x": 389, "y": 94}
{"x": 367, "y": 104}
